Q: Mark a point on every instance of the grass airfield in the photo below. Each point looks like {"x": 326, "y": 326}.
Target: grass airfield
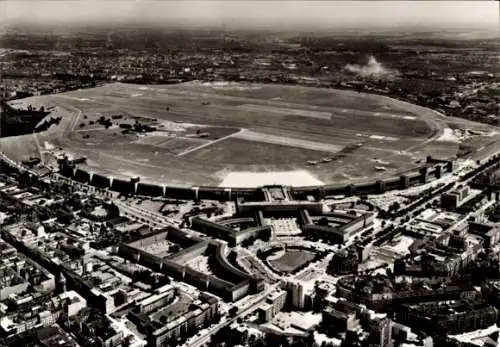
{"x": 207, "y": 132}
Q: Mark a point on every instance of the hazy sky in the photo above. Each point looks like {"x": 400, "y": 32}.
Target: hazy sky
{"x": 269, "y": 14}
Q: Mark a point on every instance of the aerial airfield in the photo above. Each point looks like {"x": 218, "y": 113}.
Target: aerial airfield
{"x": 245, "y": 135}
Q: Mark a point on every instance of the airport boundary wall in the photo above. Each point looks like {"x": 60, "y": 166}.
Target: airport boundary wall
{"x": 432, "y": 169}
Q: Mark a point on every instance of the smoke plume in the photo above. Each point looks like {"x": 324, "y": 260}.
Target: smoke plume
{"x": 372, "y": 68}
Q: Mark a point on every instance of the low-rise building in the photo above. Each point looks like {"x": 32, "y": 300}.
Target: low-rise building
{"x": 18, "y": 273}
{"x": 92, "y": 328}
{"x": 41, "y": 313}
{"x": 491, "y": 291}
{"x": 49, "y": 336}
{"x": 344, "y": 262}
{"x": 488, "y": 232}
{"x": 341, "y": 315}
{"x": 200, "y": 313}
{"x": 157, "y": 300}
{"x": 381, "y": 292}
{"x": 444, "y": 256}
{"x": 337, "y": 226}
{"x": 452, "y": 200}
{"x": 448, "y": 317}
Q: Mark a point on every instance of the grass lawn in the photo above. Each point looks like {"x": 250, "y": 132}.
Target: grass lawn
{"x": 243, "y": 152}
{"x": 284, "y": 128}
{"x": 292, "y": 260}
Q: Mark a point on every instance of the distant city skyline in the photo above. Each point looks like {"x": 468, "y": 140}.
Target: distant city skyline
{"x": 321, "y": 15}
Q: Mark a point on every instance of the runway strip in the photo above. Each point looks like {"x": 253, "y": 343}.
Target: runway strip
{"x": 287, "y": 141}
{"x": 209, "y": 143}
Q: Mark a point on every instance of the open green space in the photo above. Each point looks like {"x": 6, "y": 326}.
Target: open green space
{"x": 205, "y": 132}
{"x": 291, "y": 260}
